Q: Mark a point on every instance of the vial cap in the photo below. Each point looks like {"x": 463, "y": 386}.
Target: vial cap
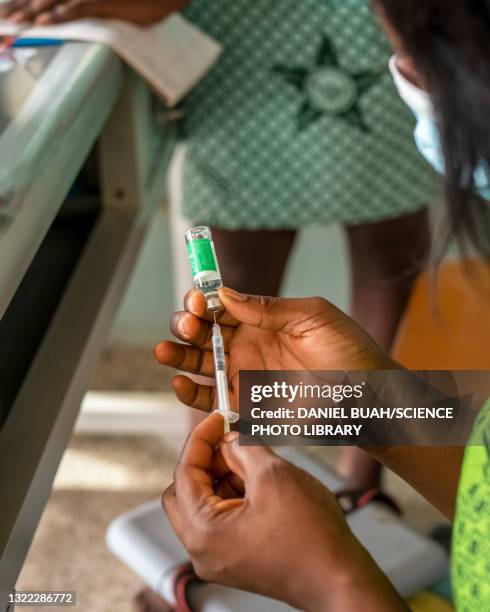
{"x": 214, "y": 304}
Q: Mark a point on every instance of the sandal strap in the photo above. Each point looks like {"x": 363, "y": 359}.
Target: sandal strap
{"x": 351, "y": 500}
{"x": 184, "y": 576}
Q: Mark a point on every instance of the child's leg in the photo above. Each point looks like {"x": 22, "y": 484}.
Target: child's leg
{"x": 253, "y": 261}
{"x": 386, "y": 258}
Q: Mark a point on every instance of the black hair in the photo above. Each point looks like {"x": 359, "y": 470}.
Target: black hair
{"x": 449, "y": 43}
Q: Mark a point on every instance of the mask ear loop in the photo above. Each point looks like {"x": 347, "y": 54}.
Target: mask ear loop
{"x": 418, "y": 100}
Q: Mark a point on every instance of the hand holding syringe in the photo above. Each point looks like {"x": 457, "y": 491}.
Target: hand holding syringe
{"x": 207, "y": 279}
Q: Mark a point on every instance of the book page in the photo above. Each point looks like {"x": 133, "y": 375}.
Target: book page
{"x": 173, "y": 55}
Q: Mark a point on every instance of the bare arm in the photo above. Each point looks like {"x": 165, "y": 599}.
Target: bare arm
{"x": 433, "y": 471}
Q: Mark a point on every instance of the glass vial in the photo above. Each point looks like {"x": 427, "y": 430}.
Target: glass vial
{"x": 204, "y": 265}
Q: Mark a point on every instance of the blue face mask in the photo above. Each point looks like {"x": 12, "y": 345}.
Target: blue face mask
{"x": 427, "y": 137}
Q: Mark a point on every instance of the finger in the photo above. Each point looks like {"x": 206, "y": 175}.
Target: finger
{"x": 189, "y": 328}
{"x": 195, "y": 302}
{"x": 171, "y": 508}
{"x": 291, "y": 316}
{"x": 25, "y": 11}
{"x": 193, "y": 477}
{"x": 76, "y": 9}
{"x": 228, "y": 483}
{"x": 230, "y": 487}
{"x": 10, "y": 7}
{"x": 184, "y": 357}
{"x": 194, "y": 395}
{"x": 248, "y": 463}
{"x": 36, "y": 7}
{"x": 219, "y": 468}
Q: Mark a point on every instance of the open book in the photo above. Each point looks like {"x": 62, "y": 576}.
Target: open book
{"x": 172, "y": 56}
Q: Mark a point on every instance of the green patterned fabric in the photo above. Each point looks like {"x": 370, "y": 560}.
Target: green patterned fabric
{"x": 299, "y": 123}
{"x": 471, "y": 534}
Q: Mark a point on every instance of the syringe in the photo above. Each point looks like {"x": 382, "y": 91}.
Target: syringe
{"x": 221, "y": 379}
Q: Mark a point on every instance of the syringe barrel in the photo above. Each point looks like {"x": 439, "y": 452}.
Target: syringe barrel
{"x": 222, "y": 391}
{"x": 218, "y": 349}
{"x": 221, "y": 377}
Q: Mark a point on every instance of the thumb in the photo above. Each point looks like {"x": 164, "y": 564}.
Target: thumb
{"x": 291, "y": 316}
{"x": 247, "y": 462}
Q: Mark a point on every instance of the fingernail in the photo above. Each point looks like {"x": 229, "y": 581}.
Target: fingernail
{"x": 183, "y": 326}
{"x": 230, "y": 294}
{"x": 43, "y": 19}
{"x": 231, "y": 437}
{"x": 191, "y": 306}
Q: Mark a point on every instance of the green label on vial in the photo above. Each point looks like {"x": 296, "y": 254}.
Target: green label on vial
{"x": 201, "y": 256}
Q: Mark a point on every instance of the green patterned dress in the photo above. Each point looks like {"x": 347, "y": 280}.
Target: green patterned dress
{"x": 299, "y": 123}
{"x": 471, "y": 535}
